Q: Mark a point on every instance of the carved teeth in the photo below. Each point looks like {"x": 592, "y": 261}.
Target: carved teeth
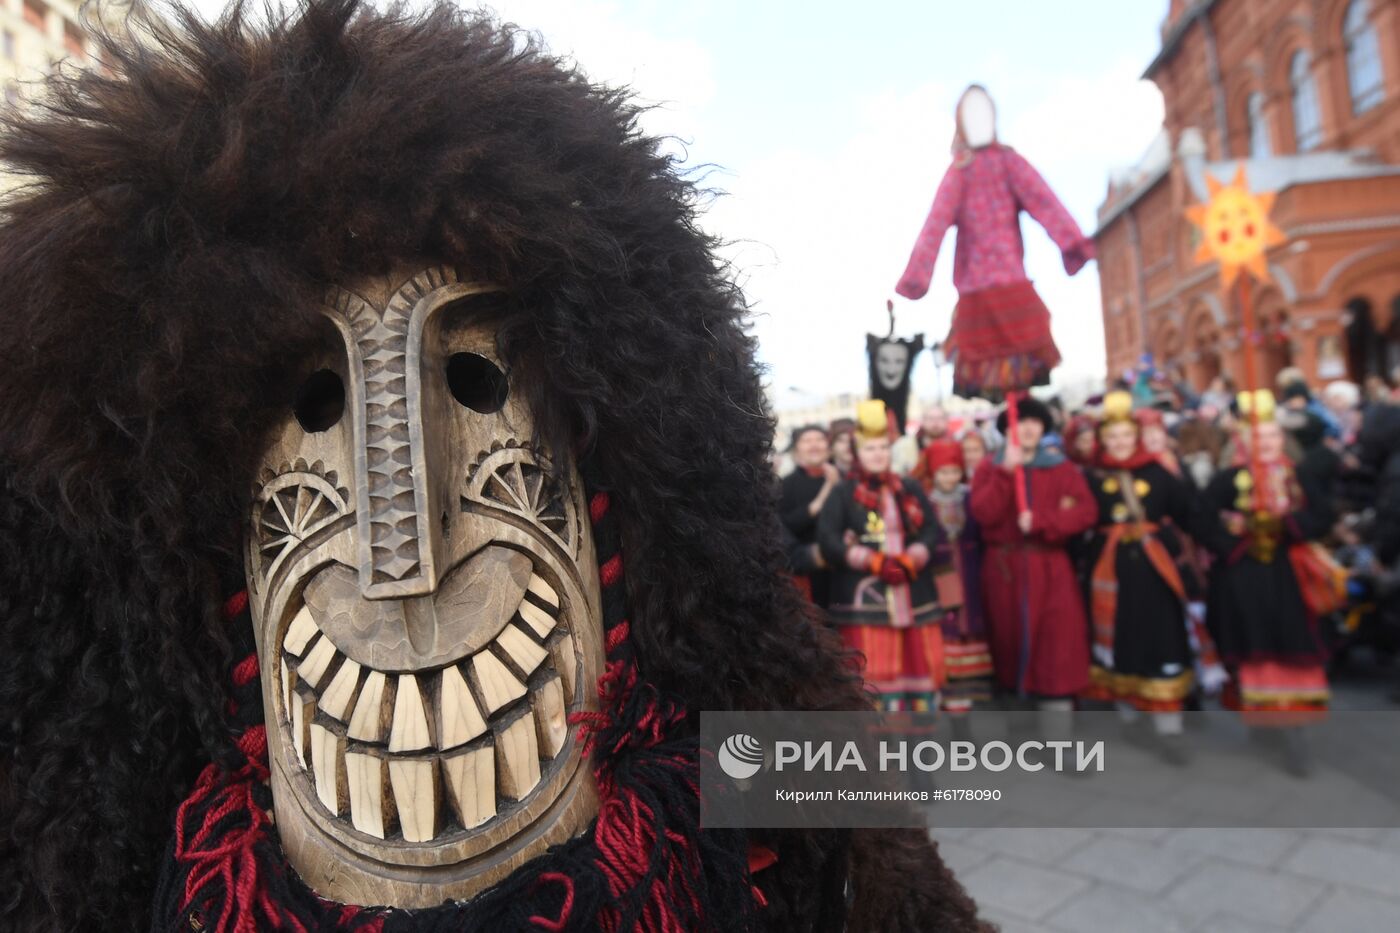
{"x": 550, "y": 722}
{"x": 522, "y": 648}
{"x": 518, "y": 758}
{"x": 366, "y": 723}
{"x": 471, "y": 785}
{"x": 286, "y": 687}
{"x": 335, "y": 706}
{"x": 498, "y": 685}
{"x": 415, "y": 796}
{"x": 410, "y": 731}
{"x": 544, "y": 591}
{"x": 317, "y": 660}
{"x": 328, "y": 765}
{"x": 300, "y": 631}
{"x": 459, "y": 721}
{"x": 336, "y": 700}
{"x": 302, "y": 710}
{"x": 366, "y": 776}
{"x": 538, "y": 619}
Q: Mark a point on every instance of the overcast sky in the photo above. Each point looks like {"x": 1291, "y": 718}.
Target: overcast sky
{"x": 828, "y": 126}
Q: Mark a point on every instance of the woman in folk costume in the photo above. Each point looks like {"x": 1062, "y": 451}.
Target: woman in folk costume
{"x": 1081, "y": 443}
{"x": 877, "y": 532}
{"x": 1269, "y": 585}
{"x": 958, "y": 581}
{"x": 1144, "y": 641}
{"x": 974, "y": 451}
{"x": 1154, "y": 438}
{"x": 1000, "y": 337}
{"x": 1035, "y": 616}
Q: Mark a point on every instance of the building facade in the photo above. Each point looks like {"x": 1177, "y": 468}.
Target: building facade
{"x": 35, "y": 35}
{"x": 1306, "y": 95}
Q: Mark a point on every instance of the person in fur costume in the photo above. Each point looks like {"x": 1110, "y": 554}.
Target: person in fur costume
{"x": 421, "y": 246}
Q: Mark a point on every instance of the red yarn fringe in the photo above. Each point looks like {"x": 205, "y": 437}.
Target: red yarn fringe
{"x": 627, "y": 834}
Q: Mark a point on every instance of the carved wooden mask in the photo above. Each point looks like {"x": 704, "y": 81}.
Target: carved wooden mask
{"x": 425, "y": 595}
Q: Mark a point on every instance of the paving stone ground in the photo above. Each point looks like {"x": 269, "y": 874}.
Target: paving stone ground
{"x": 1155, "y": 880}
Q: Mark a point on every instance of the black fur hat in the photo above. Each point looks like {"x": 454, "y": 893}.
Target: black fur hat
{"x": 184, "y": 211}
{"x": 1029, "y": 407}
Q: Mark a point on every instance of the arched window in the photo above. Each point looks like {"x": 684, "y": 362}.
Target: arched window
{"x": 1364, "y": 349}
{"x": 1364, "y": 76}
{"x": 1259, "y": 147}
{"x": 1307, "y": 121}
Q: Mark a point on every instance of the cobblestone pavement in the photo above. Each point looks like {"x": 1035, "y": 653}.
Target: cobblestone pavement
{"x": 1159, "y": 880}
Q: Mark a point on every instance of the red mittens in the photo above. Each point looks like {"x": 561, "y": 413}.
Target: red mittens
{"x": 896, "y": 571}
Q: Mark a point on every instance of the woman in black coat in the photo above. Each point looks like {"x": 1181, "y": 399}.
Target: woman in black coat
{"x": 877, "y": 532}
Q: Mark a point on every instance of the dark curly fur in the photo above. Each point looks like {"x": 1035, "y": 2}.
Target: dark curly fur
{"x": 161, "y": 274}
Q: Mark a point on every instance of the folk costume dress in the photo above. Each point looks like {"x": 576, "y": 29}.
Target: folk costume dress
{"x": 1035, "y": 614}
{"x": 1144, "y": 642}
{"x": 1263, "y": 590}
{"x": 867, "y": 521}
{"x": 1000, "y": 336}
{"x": 957, "y": 569}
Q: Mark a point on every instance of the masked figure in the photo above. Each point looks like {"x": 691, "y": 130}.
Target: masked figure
{"x": 1000, "y": 337}
{"x": 891, "y": 369}
{"x": 383, "y": 495}
{"x": 430, "y": 633}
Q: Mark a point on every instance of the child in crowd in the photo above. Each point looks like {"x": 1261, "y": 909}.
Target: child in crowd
{"x": 957, "y": 563}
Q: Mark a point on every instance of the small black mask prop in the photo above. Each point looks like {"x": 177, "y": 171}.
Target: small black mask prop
{"x": 891, "y": 369}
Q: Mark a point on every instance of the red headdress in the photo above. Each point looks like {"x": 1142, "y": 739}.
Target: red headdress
{"x": 939, "y": 454}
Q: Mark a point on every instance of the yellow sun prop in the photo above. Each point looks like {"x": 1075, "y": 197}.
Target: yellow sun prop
{"x": 1235, "y": 228}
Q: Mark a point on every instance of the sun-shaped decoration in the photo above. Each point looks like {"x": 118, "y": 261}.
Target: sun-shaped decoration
{"x": 1235, "y": 228}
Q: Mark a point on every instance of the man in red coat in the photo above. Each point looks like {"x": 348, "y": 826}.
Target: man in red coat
{"x": 1035, "y": 616}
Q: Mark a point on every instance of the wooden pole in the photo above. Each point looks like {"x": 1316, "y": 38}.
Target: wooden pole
{"x": 1251, "y": 378}
{"x": 1012, "y": 398}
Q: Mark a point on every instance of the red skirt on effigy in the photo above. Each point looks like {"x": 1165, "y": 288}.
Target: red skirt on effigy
{"x": 1000, "y": 340}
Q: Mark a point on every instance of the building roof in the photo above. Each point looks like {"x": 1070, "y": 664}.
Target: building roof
{"x": 1171, "y": 41}
{"x": 1271, "y": 173}
{"x": 1127, "y": 185}
{"x": 1278, "y": 173}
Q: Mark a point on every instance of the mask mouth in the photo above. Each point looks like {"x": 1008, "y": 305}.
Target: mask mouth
{"x": 426, "y": 754}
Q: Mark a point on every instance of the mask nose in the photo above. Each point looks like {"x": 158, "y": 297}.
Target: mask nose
{"x": 398, "y": 530}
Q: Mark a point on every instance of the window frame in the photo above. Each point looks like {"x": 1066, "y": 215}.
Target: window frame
{"x": 1305, "y": 102}
{"x": 1361, "y": 49}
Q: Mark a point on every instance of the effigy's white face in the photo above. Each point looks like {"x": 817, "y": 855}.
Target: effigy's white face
{"x": 977, "y": 117}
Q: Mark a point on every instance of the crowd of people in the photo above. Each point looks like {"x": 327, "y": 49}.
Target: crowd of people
{"x": 1158, "y": 550}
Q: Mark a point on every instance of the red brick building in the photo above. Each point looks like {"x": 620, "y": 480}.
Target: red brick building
{"x": 1307, "y": 94}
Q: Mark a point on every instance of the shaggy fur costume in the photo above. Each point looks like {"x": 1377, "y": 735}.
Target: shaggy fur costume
{"x": 161, "y": 273}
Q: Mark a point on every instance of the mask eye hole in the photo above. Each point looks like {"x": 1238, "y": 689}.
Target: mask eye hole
{"x": 320, "y": 401}
{"x": 476, "y": 382}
